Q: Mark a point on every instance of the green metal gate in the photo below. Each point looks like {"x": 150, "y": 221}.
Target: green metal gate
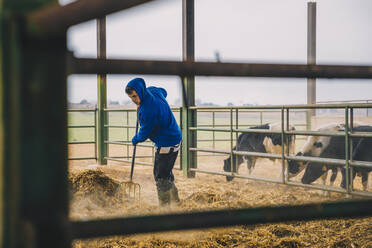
{"x": 33, "y": 134}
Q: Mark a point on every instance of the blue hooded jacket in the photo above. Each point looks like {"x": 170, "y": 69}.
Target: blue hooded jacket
{"x": 155, "y": 116}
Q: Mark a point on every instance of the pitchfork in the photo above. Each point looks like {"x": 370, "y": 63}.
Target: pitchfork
{"x": 132, "y": 190}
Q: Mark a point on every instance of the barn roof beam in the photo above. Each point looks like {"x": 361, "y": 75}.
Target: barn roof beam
{"x": 185, "y": 68}
{"x": 55, "y": 19}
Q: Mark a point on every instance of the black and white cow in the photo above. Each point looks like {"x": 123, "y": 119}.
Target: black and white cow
{"x": 336, "y": 149}
{"x": 313, "y": 147}
{"x": 258, "y": 142}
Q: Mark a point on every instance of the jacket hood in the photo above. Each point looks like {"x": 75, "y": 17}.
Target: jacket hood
{"x": 160, "y": 92}
{"x": 139, "y": 85}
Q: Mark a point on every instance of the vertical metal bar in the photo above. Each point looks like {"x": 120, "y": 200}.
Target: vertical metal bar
{"x": 367, "y": 109}
{"x": 95, "y": 134}
{"x": 311, "y": 53}
{"x": 347, "y": 165}
{"x": 236, "y": 125}
{"x": 10, "y": 121}
{"x": 288, "y": 147}
{"x": 351, "y": 146}
{"x": 233, "y": 165}
{"x": 101, "y": 93}
{"x": 127, "y": 133}
{"x": 189, "y": 116}
{"x": 261, "y": 118}
{"x": 213, "y": 125}
{"x": 181, "y": 149}
{"x": 283, "y": 140}
{"x": 35, "y": 131}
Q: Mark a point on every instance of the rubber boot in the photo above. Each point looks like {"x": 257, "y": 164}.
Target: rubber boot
{"x": 174, "y": 194}
{"x": 164, "y": 197}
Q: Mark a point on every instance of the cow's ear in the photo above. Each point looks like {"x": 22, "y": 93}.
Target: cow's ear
{"x": 318, "y": 144}
{"x": 324, "y": 168}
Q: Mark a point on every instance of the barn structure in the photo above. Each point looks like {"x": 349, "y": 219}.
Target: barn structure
{"x": 34, "y": 67}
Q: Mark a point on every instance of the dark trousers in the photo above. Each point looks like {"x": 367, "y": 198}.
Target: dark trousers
{"x": 163, "y": 175}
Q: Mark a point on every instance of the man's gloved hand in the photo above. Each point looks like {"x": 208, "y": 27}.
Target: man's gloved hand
{"x": 134, "y": 140}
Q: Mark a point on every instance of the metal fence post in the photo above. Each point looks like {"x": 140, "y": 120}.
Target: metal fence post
{"x": 95, "y": 134}
{"x": 189, "y": 116}
{"x": 311, "y": 53}
{"x": 213, "y": 133}
{"x": 351, "y": 146}
{"x": 347, "y": 165}
{"x": 101, "y": 94}
{"x": 34, "y": 133}
{"x": 233, "y": 164}
{"x": 283, "y": 141}
{"x": 288, "y": 147}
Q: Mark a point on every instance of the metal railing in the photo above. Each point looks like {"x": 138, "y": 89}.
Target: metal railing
{"x": 349, "y": 101}
{"x": 284, "y": 156}
{"x": 94, "y": 126}
{"x": 127, "y": 143}
{"x": 37, "y": 38}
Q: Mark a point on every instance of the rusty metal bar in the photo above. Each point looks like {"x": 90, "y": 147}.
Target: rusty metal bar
{"x": 219, "y": 218}
{"x": 187, "y": 68}
{"x": 55, "y": 19}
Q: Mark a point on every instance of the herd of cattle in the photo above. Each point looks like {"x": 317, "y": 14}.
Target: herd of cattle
{"x": 315, "y": 146}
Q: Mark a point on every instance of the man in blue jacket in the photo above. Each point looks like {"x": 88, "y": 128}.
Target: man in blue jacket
{"x": 159, "y": 125}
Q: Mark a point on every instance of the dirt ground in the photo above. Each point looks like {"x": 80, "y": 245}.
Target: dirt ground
{"x": 93, "y": 197}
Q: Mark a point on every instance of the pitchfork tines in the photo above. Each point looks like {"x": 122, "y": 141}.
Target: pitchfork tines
{"x": 130, "y": 189}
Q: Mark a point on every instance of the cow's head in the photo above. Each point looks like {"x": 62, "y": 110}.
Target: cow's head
{"x": 313, "y": 172}
{"x": 294, "y": 166}
{"x": 227, "y": 168}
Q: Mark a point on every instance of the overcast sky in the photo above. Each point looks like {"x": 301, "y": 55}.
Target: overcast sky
{"x": 264, "y": 31}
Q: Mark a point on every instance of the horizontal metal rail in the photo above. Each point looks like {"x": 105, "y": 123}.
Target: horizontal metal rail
{"x": 119, "y": 126}
{"x": 312, "y": 133}
{"x": 235, "y": 175}
{"x": 153, "y": 67}
{"x": 329, "y": 161}
{"x": 320, "y": 187}
{"x": 218, "y": 218}
{"x": 81, "y": 142}
{"x": 137, "y": 156}
{"x": 242, "y": 153}
{"x": 132, "y": 110}
{"x": 127, "y": 143}
{"x": 129, "y": 161}
{"x": 81, "y": 110}
{"x": 346, "y": 101}
{"x": 361, "y": 164}
{"x": 330, "y": 188}
{"x": 83, "y": 158}
{"x": 294, "y": 106}
{"x": 90, "y": 126}
{"x": 209, "y": 150}
{"x": 55, "y": 19}
{"x": 360, "y": 134}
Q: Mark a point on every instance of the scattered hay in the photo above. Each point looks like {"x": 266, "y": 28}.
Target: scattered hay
{"x": 281, "y": 231}
{"x": 201, "y": 195}
{"x": 288, "y": 243}
{"x": 95, "y": 186}
{"x": 343, "y": 243}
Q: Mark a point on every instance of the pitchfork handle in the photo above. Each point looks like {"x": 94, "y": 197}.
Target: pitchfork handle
{"x": 134, "y": 155}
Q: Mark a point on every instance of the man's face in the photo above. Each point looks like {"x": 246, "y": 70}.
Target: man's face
{"x": 134, "y": 97}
